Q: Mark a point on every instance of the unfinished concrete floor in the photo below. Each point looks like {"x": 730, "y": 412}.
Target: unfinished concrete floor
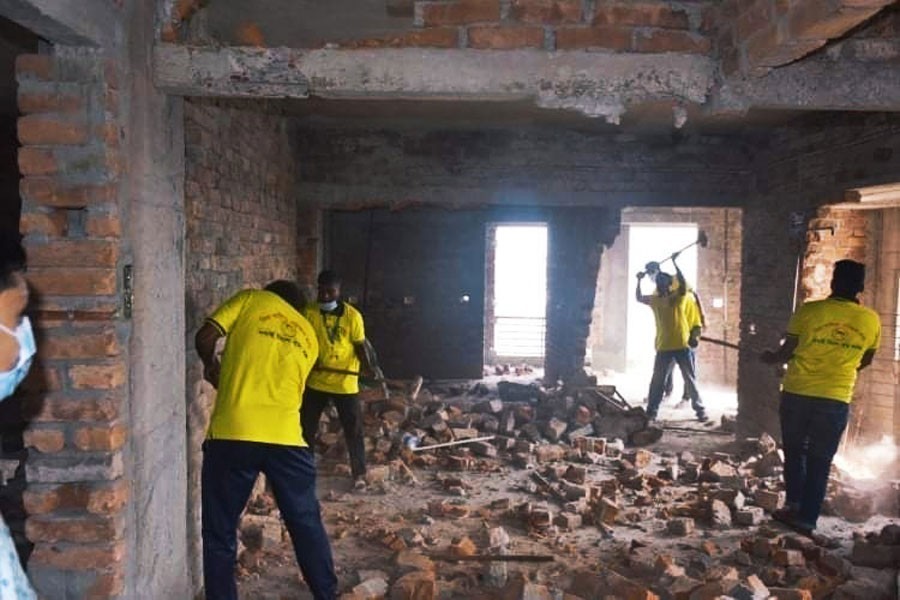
{"x": 666, "y": 536}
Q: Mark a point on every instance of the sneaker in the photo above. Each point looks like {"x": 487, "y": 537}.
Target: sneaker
{"x": 702, "y": 417}
{"x": 359, "y": 484}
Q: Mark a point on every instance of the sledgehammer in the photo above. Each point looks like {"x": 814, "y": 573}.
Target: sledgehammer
{"x": 719, "y": 342}
{"x": 379, "y": 377}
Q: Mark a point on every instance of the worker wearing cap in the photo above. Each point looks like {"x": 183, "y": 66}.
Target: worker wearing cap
{"x": 827, "y": 342}
{"x": 344, "y": 354}
{"x": 269, "y": 351}
{"x": 677, "y": 331}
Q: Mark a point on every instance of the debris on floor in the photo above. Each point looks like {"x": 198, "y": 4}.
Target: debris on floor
{"x": 521, "y": 492}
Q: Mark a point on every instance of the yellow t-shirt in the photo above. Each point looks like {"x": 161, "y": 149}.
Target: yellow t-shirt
{"x": 833, "y": 336}
{"x": 269, "y": 351}
{"x": 337, "y": 332}
{"x": 673, "y": 314}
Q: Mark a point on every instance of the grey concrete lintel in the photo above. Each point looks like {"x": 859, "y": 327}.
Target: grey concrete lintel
{"x": 94, "y": 23}
{"x": 596, "y": 84}
{"x": 815, "y": 84}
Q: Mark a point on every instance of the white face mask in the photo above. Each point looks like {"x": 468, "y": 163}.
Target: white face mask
{"x": 328, "y": 306}
{"x": 10, "y": 380}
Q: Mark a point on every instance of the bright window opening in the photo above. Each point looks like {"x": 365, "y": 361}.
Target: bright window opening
{"x": 520, "y": 291}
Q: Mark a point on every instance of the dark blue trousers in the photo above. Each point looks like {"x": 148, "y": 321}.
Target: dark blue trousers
{"x": 662, "y": 367}
{"x": 230, "y": 469}
{"x": 811, "y": 430}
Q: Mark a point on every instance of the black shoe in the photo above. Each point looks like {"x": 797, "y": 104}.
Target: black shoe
{"x": 702, "y": 417}
{"x": 788, "y": 517}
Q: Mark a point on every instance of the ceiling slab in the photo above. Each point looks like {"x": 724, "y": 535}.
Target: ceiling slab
{"x": 597, "y": 85}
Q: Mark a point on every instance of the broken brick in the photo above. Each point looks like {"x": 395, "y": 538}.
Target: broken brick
{"x": 681, "y": 526}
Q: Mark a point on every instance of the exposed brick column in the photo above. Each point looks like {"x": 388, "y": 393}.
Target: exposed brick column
{"x": 76, "y": 493}
{"x": 576, "y": 240}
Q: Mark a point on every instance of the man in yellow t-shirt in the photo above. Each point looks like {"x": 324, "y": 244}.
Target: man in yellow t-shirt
{"x": 344, "y": 354}
{"x": 677, "y": 330}
{"x": 827, "y": 343}
{"x": 269, "y": 351}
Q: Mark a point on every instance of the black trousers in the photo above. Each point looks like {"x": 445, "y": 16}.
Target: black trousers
{"x": 230, "y": 469}
{"x": 350, "y": 414}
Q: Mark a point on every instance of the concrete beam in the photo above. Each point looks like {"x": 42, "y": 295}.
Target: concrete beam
{"x": 597, "y": 85}
{"x": 94, "y": 23}
{"x": 815, "y": 84}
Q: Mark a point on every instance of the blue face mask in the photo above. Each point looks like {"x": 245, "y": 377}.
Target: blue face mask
{"x": 328, "y": 306}
{"x": 10, "y": 380}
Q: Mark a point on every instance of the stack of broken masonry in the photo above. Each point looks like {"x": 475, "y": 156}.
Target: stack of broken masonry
{"x": 579, "y": 467}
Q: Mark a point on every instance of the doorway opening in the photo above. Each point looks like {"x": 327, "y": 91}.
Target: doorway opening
{"x": 516, "y": 307}
{"x": 621, "y": 345}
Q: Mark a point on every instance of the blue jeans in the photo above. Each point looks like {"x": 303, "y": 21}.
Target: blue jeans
{"x": 230, "y": 469}
{"x": 811, "y": 430}
{"x": 662, "y": 367}
{"x": 669, "y": 386}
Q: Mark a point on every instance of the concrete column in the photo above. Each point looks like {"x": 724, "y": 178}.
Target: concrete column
{"x": 158, "y": 566}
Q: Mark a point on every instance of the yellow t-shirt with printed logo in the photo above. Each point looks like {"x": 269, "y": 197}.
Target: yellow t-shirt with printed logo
{"x": 338, "y": 332}
{"x": 833, "y": 336}
{"x": 674, "y": 318}
{"x": 269, "y": 351}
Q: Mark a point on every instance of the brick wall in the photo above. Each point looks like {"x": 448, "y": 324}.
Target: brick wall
{"x": 577, "y": 238}
{"x": 77, "y": 391}
{"x": 617, "y": 26}
{"x": 755, "y": 36}
{"x": 802, "y": 168}
{"x": 519, "y": 165}
{"x": 241, "y": 231}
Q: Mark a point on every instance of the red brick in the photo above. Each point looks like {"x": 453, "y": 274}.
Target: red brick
{"x": 100, "y": 438}
{"x": 82, "y": 529}
{"x": 51, "y": 224}
{"x": 63, "y": 344}
{"x": 548, "y": 12}
{"x": 612, "y": 38}
{"x": 248, "y": 33}
{"x": 753, "y": 18}
{"x": 34, "y": 66}
{"x": 47, "y": 191}
{"x": 73, "y": 282}
{"x": 80, "y": 558}
{"x": 110, "y": 133}
{"x": 48, "y": 102}
{"x": 62, "y": 408}
{"x": 45, "y": 130}
{"x": 97, "y": 377}
{"x": 641, "y": 14}
{"x": 431, "y": 37}
{"x": 667, "y": 40}
{"x": 822, "y": 20}
{"x": 462, "y": 12}
{"x": 74, "y": 253}
{"x": 95, "y": 498}
{"x": 505, "y": 38}
{"x": 65, "y": 408}
{"x": 103, "y": 226}
{"x": 109, "y": 585}
{"x": 45, "y": 440}
{"x": 168, "y": 34}
{"x": 41, "y": 378}
{"x": 36, "y": 161}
